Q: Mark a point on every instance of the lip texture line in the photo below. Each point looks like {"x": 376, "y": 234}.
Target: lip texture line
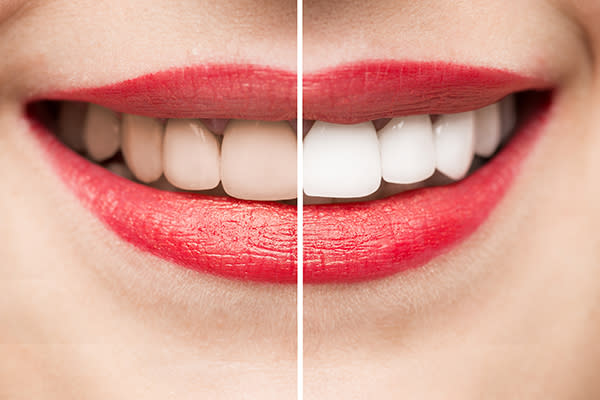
{"x": 257, "y": 241}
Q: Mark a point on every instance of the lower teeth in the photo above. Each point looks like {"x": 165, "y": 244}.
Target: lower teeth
{"x": 256, "y": 160}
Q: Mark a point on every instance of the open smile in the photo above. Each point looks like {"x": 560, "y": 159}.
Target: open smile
{"x": 418, "y": 153}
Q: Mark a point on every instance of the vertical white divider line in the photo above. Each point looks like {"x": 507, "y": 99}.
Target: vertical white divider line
{"x": 300, "y": 202}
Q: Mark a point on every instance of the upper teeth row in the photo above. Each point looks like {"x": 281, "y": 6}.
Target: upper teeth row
{"x": 256, "y": 160}
{"x": 346, "y": 161}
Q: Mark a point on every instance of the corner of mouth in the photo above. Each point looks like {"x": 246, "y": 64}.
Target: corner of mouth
{"x": 362, "y": 238}
{"x": 368, "y": 236}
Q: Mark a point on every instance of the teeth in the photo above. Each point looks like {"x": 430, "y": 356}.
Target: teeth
{"x": 141, "y": 144}
{"x": 341, "y": 160}
{"x": 407, "y": 149}
{"x": 101, "y": 133}
{"x": 256, "y": 160}
{"x": 454, "y": 143}
{"x": 259, "y": 160}
{"x": 71, "y": 120}
{"x": 191, "y": 156}
{"x": 487, "y": 130}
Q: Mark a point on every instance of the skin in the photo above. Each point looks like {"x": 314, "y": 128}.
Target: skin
{"x": 510, "y": 313}
{"x": 83, "y": 314}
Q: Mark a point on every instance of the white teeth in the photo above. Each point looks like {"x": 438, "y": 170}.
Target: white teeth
{"x": 407, "y": 149}
{"x": 487, "y": 130}
{"x": 259, "y": 160}
{"x": 141, "y": 144}
{"x": 454, "y": 143}
{"x": 341, "y": 160}
{"x": 256, "y": 160}
{"x": 101, "y": 133}
{"x": 71, "y": 120}
{"x": 191, "y": 156}
{"x": 508, "y": 116}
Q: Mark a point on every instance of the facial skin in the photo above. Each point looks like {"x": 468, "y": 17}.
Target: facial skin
{"x": 513, "y": 311}
{"x": 510, "y": 313}
{"x": 83, "y": 314}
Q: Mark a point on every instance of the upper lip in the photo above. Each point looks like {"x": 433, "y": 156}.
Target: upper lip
{"x": 361, "y": 241}
{"x": 370, "y": 90}
{"x": 257, "y": 241}
{"x": 224, "y": 91}
{"x": 348, "y": 93}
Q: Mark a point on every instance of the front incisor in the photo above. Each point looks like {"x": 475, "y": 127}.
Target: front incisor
{"x": 259, "y": 160}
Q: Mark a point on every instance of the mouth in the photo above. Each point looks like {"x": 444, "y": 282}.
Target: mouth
{"x": 419, "y": 154}
{"x": 117, "y": 141}
{"x": 198, "y": 165}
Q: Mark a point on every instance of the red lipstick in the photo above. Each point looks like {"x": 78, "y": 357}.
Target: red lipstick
{"x": 257, "y": 241}
{"x": 207, "y": 91}
{"x": 370, "y": 240}
{"x": 223, "y": 236}
{"x": 371, "y": 90}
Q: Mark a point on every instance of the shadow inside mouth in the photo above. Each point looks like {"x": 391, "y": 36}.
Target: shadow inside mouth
{"x": 48, "y": 113}
{"x": 526, "y": 105}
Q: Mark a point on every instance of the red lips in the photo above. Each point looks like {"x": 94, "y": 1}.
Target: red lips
{"x": 209, "y": 91}
{"x": 257, "y": 241}
{"x": 362, "y": 241}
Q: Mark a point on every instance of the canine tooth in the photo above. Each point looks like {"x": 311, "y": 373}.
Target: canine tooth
{"x": 454, "y": 136}
{"x": 407, "y": 149}
{"x": 259, "y": 160}
{"x": 141, "y": 145}
{"x": 341, "y": 160}
{"x": 101, "y": 133}
{"x": 487, "y": 130}
{"x": 191, "y": 158}
{"x": 71, "y": 120}
{"x": 508, "y": 113}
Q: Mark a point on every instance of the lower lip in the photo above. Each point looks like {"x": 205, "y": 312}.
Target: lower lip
{"x": 258, "y": 241}
{"x": 222, "y": 236}
{"x": 345, "y": 243}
